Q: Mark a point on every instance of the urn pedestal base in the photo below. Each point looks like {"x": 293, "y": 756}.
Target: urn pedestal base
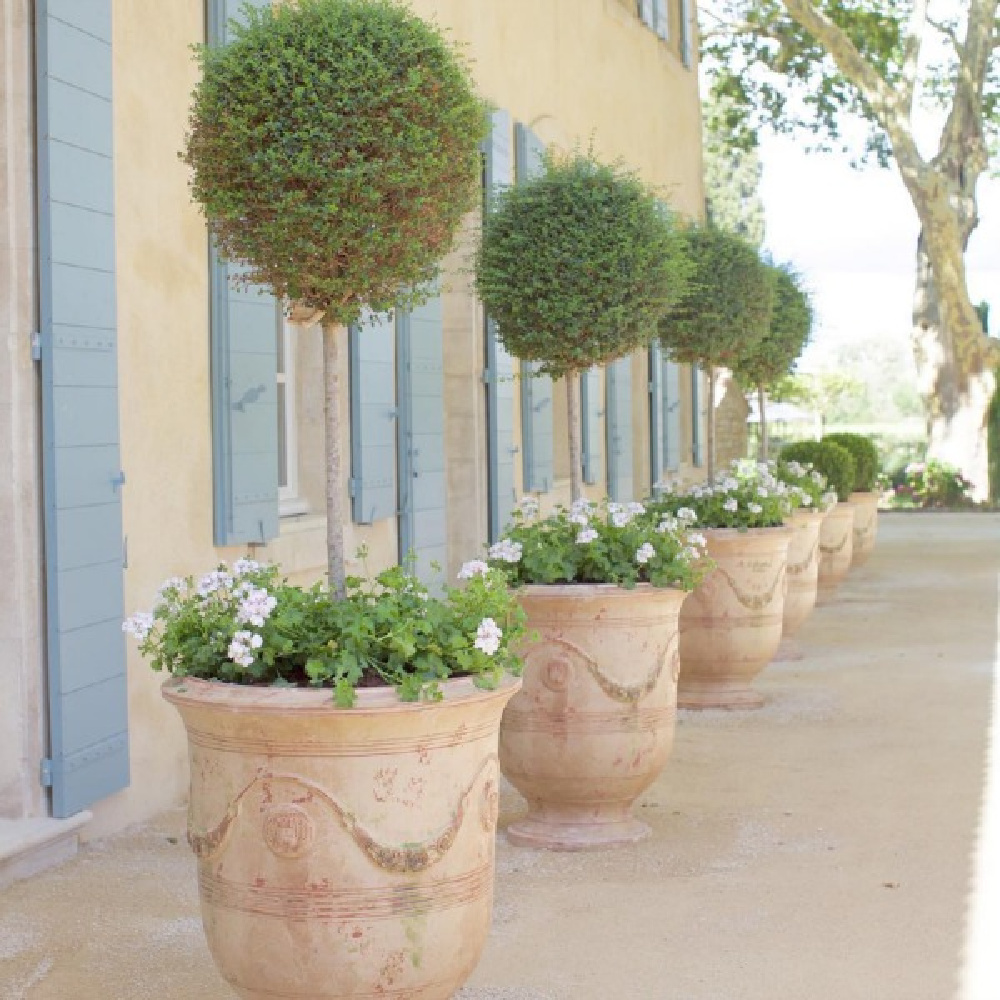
{"x": 719, "y": 694}
{"x": 587, "y": 828}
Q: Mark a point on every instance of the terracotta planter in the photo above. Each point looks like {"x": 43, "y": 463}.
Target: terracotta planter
{"x": 594, "y": 723}
{"x": 803, "y": 568}
{"x": 731, "y": 624}
{"x": 865, "y": 526}
{"x": 836, "y": 548}
{"x": 342, "y": 853}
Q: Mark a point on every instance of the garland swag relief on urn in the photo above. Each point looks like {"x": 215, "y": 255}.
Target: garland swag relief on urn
{"x": 593, "y": 725}
{"x": 731, "y": 624}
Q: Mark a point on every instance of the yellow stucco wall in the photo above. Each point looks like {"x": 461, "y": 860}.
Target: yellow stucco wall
{"x": 577, "y": 71}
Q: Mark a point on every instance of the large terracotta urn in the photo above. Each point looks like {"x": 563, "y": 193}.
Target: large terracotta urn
{"x": 836, "y": 549}
{"x": 594, "y": 723}
{"x": 731, "y": 624}
{"x": 865, "y": 526}
{"x": 343, "y": 853}
{"x": 803, "y": 568}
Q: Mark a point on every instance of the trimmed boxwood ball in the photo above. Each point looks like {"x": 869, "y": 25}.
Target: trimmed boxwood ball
{"x": 726, "y": 309}
{"x": 833, "y": 460}
{"x": 335, "y": 149}
{"x": 768, "y": 359}
{"x": 577, "y": 265}
{"x": 866, "y": 458}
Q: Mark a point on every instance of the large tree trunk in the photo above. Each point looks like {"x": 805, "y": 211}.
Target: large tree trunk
{"x": 575, "y": 436}
{"x": 334, "y": 469}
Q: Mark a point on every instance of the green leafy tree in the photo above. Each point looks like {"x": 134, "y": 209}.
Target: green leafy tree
{"x": 725, "y": 311}
{"x": 833, "y": 460}
{"x": 816, "y": 66}
{"x": 334, "y": 148}
{"x": 867, "y": 461}
{"x": 732, "y": 173}
{"x": 576, "y": 266}
{"x": 771, "y": 358}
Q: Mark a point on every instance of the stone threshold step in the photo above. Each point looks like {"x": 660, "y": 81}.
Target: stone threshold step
{"x": 29, "y": 846}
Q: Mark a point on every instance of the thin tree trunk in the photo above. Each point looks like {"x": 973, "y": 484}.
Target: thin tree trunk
{"x": 762, "y": 442}
{"x": 575, "y": 436}
{"x": 334, "y": 470}
{"x": 710, "y": 443}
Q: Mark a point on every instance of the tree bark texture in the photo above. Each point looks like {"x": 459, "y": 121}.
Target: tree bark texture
{"x": 575, "y": 436}
{"x": 334, "y": 467}
{"x": 762, "y": 438}
{"x": 710, "y": 431}
{"x": 955, "y": 359}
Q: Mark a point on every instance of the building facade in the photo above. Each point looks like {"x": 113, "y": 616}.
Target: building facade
{"x": 154, "y": 420}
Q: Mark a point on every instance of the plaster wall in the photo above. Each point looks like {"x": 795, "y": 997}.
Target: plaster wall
{"x": 21, "y": 664}
{"x": 579, "y": 72}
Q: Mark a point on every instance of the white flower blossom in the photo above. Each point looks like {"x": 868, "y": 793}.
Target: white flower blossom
{"x": 762, "y": 492}
{"x": 615, "y": 508}
{"x": 644, "y": 553}
{"x": 506, "y": 551}
{"x": 729, "y": 484}
{"x": 243, "y": 566}
{"x": 582, "y": 506}
{"x": 255, "y": 605}
{"x": 579, "y": 518}
{"x": 692, "y": 553}
{"x": 635, "y": 509}
{"x": 528, "y": 506}
{"x": 488, "y": 636}
{"x": 474, "y": 567}
{"x": 585, "y": 536}
{"x": 731, "y": 505}
{"x": 241, "y": 646}
{"x": 754, "y": 508}
{"x": 817, "y": 477}
{"x": 667, "y": 524}
{"x": 139, "y": 625}
{"x": 686, "y": 514}
{"x": 620, "y": 518}
{"x": 697, "y": 539}
{"x": 217, "y": 579}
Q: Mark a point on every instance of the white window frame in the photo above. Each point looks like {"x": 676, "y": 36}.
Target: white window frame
{"x": 290, "y": 503}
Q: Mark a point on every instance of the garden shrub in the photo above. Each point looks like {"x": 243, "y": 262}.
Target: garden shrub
{"x": 867, "y": 461}
{"x": 829, "y": 458}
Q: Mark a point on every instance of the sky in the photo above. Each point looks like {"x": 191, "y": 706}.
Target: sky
{"x": 852, "y": 234}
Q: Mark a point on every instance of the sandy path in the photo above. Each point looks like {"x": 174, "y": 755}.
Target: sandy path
{"x": 819, "y": 849}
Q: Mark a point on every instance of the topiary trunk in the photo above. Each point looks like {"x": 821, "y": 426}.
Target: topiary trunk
{"x": 575, "y": 436}
{"x": 761, "y": 405}
{"x": 336, "y": 569}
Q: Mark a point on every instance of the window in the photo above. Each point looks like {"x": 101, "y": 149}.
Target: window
{"x": 655, "y": 14}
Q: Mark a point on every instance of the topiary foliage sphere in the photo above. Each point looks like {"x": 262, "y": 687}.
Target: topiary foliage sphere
{"x": 726, "y": 309}
{"x": 576, "y": 265}
{"x": 866, "y": 458}
{"x": 772, "y": 357}
{"x": 833, "y": 460}
{"x": 335, "y": 148}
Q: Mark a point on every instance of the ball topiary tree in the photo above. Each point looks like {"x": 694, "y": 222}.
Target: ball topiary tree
{"x": 724, "y": 312}
{"x": 867, "y": 461}
{"x": 576, "y": 266}
{"x": 768, "y": 360}
{"x": 334, "y": 146}
{"x": 831, "y": 459}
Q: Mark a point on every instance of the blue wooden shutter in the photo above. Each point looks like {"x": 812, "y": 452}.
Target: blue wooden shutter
{"x": 500, "y": 366}
{"x": 372, "y": 353}
{"x": 656, "y": 423}
{"x": 81, "y": 472}
{"x": 536, "y": 390}
{"x": 645, "y": 8}
{"x": 618, "y": 421}
{"x": 661, "y": 18}
{"x": 590, "y": 413}
{"x": 671, "y": 409}
{"x": 244, "y": 335}
{"x": 687, "y": 43}
{"x": 423, "y": 529}
{"x": 697, "y": 440}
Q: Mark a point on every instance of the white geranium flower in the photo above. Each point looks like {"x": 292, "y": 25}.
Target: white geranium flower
{"x": 243, "y": 566}
{"x": 217, "y": 579}
{"x": 687, "y": 515}
{"x": 585, "y": 536}
{"x": 729, "y": 484}
{"x": 644, "y": 553}
{"x": 528, "y": 506}
{"x": 474, "y": 567}
{"x": 139, "y": 625}
{"x": 731, "y": 505}
{"x": 697, "y": 539}
{"x": 488, "y": 636}
{"x": 506, "y": 551}
{"x": 240, "y": 648}
{"x": 667, "y": 524}
{"x": 620, "y": 519}
{"x": 579, "y": 518}
{"x": 755, "y": 508}
{"x": 635, "y": 509}
{"x": 255, "y": 606}
{"x": 762, "y": 492}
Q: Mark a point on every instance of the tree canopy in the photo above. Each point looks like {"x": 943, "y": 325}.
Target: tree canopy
{"x": 577, "y": 265}
{"x": 335, "y": 149}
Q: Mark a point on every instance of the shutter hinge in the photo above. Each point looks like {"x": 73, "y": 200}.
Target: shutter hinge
{"x": 118, "y": 480}
{"x": 36, "y": 346}
{"x": 45, "y": 772}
